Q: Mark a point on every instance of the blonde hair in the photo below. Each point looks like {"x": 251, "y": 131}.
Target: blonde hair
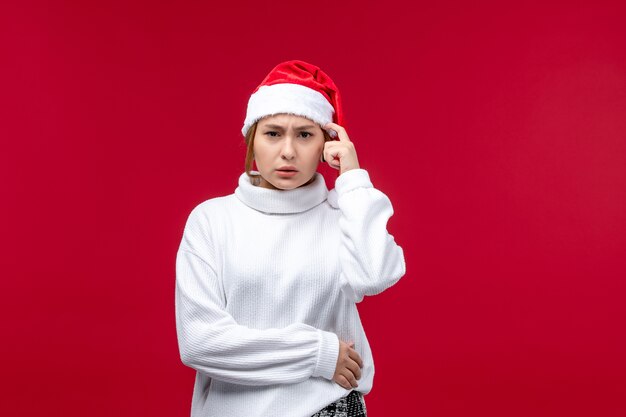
{"x": 249, "y": 141}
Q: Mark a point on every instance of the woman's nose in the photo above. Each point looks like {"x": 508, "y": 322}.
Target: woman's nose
{"x": 287, "y": 150}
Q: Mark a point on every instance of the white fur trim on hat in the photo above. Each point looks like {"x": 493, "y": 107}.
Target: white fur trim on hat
{"x": 288, "y": 98}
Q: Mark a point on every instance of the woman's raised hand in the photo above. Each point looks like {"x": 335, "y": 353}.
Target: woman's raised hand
{"x": 349, "y": 366}
{"x": 340, "y": 154}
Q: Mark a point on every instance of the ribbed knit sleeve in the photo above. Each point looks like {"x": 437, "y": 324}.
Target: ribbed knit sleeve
{"x": 371, "y": 261}
{"x": 210, "y": 340}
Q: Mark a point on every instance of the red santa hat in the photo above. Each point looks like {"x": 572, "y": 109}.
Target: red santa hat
{"x": 299, "y": 88}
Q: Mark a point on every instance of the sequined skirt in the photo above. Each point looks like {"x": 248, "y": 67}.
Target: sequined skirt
{"x": 352, "y": 405}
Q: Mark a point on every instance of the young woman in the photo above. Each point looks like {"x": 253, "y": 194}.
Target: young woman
{"x": 267, "y": 278}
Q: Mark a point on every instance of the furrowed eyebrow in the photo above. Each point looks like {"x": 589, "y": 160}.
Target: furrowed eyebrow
{"x": 278, "y": 127}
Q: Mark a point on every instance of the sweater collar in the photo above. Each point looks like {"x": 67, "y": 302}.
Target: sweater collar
{"x": 281, "y": 201}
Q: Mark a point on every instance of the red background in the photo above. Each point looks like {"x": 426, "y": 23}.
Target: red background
{"x": 498, "y": 131}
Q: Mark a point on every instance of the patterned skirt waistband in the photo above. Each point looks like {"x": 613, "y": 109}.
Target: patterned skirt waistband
{"x": 352, "y": 405}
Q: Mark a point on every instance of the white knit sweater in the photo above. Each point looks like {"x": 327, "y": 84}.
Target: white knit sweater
{"x": 267, "y": 283}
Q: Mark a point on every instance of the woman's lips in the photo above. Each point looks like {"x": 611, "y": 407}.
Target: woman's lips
{"x": 286, "y": 173}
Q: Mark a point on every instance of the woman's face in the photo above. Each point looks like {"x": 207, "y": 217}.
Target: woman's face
{"x": 287, "y": 150}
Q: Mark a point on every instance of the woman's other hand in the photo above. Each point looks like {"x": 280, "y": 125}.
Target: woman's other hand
{"x": 340, "y": 154}
{"x": 349, "y": 366}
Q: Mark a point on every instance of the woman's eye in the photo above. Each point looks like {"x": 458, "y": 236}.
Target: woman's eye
{"x": 305, "y": 134}
{"x": 272, "y": 134}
